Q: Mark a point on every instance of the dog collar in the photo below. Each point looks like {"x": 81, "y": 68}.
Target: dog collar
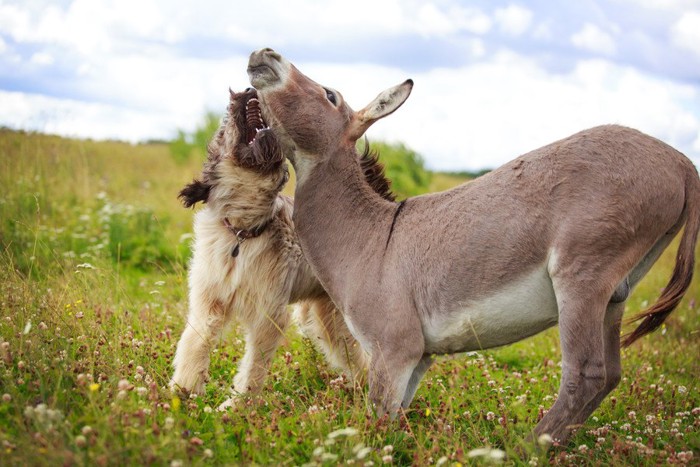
{"x": 243, "y": 234}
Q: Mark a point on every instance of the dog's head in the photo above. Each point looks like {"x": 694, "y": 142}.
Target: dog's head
{"x": 244, "y": 155}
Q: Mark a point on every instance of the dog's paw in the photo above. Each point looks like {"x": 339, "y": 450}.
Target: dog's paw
{"x": 228, "y": 403}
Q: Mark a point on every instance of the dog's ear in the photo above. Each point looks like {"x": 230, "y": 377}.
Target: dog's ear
{"x": 194, "y": 192}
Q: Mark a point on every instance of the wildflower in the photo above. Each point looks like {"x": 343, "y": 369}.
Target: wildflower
{"x": 6, "y": 397}
{"x": 583, "y": 448}
{"x": 169, "y": 423}
{"x": 490, "y": 416}
{"x": 175, "y": 463}
{"x": 388, "y": 448}
{"x": 441, "y": 461}
{"x": 361, "y": 451}
{"x": 313, "y": 410}
{"x": 43, "y": 326}
{"x": 94, "y": 387}
{"x": 87, "y": 430}
{"x": 632, "y": 415}
{"x": 387, "y": 459}
{"x": 427, "y": 412}
{"x": 208, "y": 453}
{"x": 80, "y": 441}
{"x": 194, "y": 441}
{"x": 545, "y": 439}
{"x": 176, "y": 403}
{"x": 349, "y": 431}
{"x": 124, "y": 385}
{"x": 682, "y": 389}
{"x": 493, "y": 454}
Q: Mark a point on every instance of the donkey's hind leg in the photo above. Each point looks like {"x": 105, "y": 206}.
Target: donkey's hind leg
{"x": 263, "y": 336}
{"x": 613, "y": 367}
{"x": 581, "y": 321}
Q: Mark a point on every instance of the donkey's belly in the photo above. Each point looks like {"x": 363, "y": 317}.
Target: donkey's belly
{"x": 516, "y": 311}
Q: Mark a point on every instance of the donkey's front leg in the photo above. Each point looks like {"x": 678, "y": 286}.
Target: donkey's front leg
{"x": 263, "y": 336}
{"x": 395, "y": 359}
{"x": 583, "y": 363}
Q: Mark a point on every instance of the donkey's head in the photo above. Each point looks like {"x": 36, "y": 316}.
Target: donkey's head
{"x": 245, "y": 158}
{"x": 314, "y": 120}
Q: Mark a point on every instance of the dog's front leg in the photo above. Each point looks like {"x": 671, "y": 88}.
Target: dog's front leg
{"x": 205, "y": 322}
{"x": 262, "y": 339}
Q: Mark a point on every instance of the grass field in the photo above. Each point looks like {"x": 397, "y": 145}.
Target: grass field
{"x": 92, "y": 298}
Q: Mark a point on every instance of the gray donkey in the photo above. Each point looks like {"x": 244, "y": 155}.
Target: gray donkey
{"x": 558, "y": 235}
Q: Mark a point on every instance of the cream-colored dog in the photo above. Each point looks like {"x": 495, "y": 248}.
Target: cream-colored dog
{"x": 247, "y": 263}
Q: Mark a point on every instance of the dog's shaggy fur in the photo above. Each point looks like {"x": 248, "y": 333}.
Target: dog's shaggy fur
{"x": 247, "y": 263}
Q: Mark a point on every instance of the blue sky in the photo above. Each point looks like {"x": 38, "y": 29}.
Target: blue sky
{"x": 493, "y": 79}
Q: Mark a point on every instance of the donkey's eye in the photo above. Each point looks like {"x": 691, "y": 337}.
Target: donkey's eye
{"x": 330, "y": 95}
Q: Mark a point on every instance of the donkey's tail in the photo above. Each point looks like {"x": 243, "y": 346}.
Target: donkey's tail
{"x": 655, "y": 315}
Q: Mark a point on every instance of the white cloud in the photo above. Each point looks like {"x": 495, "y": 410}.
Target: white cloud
{"x": 42, "y": 58}
{"x": 430, "y": 20}
{"x": 686, "y": 31}
{"x": 80, "y": 119}
{"x": 484, "y": 115}
{"x": 514, "y": 19}
{"x": 594, "y": 39}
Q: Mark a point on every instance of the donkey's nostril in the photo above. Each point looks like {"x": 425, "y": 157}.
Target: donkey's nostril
{"x": 271, "y": 53}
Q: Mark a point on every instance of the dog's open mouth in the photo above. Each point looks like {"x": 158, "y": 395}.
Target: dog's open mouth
{"x": 254, "y": 122}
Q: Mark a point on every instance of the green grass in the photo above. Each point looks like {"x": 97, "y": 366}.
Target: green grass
{"x": 92, "y": 297}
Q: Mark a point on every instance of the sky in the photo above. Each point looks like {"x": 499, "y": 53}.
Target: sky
{"x": 493, "y": 79}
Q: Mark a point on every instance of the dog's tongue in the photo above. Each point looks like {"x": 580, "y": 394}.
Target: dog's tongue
{"x": 253, "y": 118}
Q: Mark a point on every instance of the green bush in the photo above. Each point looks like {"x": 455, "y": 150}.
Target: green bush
{"x": 187, "y": 145}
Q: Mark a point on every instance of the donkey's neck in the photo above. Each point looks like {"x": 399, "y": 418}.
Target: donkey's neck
{"x": 340, "y": 220}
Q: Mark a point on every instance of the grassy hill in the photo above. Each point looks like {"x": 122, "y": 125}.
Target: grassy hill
{"x": 94, "y": 246}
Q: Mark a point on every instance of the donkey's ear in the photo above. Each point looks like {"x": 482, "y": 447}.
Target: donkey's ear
{"x": 382, "y": 105}
{"x": 194, "y": 192}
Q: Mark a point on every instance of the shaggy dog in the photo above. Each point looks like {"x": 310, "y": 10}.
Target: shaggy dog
{"x": 247, "y": 263}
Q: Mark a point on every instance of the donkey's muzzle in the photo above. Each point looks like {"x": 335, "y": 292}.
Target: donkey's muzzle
{"x": 266, "y": 67}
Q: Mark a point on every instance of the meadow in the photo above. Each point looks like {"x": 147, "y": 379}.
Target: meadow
{"x": 93, "y": 291}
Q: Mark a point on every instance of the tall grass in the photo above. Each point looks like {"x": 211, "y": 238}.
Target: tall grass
{"x": 92, "y": 298}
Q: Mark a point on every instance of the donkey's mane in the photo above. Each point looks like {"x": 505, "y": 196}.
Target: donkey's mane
{"x": 373, "y": 171}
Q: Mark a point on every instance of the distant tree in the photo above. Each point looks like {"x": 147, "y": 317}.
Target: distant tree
{"x": 194, "y": 144}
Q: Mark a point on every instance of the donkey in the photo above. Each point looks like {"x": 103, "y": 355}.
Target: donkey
{"x": 247, "y": 263}
{"x": 558, "y": 235}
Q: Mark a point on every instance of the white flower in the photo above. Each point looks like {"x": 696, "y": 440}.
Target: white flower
{"x": 349, "y": 431}
{"x": 545, "y": 439}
